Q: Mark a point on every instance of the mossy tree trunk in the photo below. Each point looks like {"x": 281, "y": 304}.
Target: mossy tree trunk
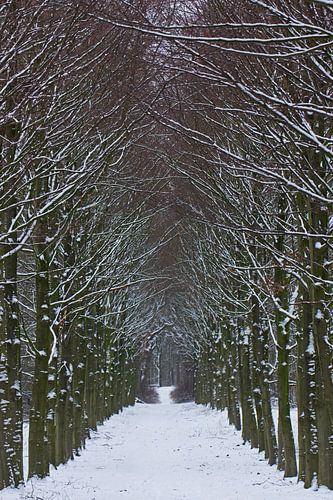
{"x": 4, "y": 471}
{"x": 249, "y": 420}
{"x": 322, "y": 343}
{"x": 286, "y": 451}
{"x": 306, "y": 365}
{"x": 79, "y": 379}
{"x": 267, "y": 436}
{"x": 38, "y": 446}
{"x": 10, "y": 351}
{"x": 257, "y": 350}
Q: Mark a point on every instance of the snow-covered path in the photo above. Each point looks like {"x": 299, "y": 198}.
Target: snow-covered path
{"x": 166, "y": 452}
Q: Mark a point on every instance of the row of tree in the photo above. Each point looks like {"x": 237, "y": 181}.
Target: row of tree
{"x": 147, "y": 142}
{"x": 249, "y": 121}
{"x": 74, "y": 220}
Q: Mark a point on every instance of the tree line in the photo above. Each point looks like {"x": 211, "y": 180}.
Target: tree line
{"x": 251, "y": 117}
{"x": 204, "y": 129}
{"x": 74, "y": 225}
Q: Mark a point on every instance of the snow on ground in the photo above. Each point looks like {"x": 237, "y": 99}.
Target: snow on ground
{"x": 164, "y": 395}
{"x": 166, "y": 452}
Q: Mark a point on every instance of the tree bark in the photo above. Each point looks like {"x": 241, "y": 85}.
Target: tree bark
{"x": 38, "y": 447}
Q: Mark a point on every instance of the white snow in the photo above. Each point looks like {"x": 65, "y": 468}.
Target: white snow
{"x": 166, "y": 452}
{"x": 164, "y": 395}
{"x": 311, "y": 348}
{"x": 51, "y": 395}
{"x": 16, "y": 386}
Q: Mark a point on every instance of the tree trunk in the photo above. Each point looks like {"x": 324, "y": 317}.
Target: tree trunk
{"x": 38, "y": 448}
{"x": 320, "y": 321}
{"x": 249, "y": 421}
{"x": 287, "y": 454}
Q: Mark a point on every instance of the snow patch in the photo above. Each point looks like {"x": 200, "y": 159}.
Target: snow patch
{"x": 166, "y": 452}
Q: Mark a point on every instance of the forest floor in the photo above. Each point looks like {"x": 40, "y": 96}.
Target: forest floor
{"x": 166, "y": 452}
